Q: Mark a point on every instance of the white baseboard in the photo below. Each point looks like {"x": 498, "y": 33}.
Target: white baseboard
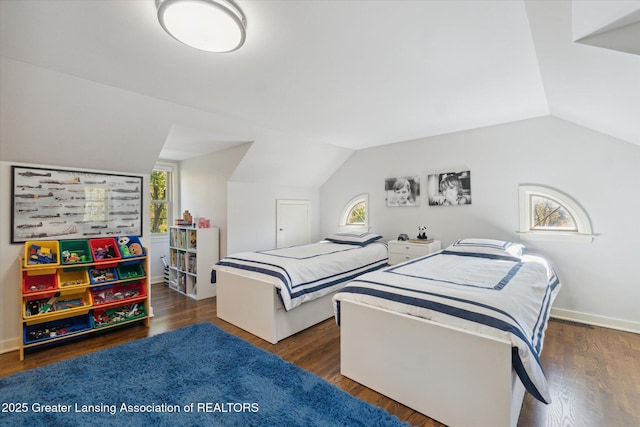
{"x": 156, "y": 279}
{"x": 11, "y": 344}
{"x": 595, "y": 320}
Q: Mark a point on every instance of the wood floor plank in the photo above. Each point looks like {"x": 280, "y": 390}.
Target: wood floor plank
{"x": 594, "y": 373}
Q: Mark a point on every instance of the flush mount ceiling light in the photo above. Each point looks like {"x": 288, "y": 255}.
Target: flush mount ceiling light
{"x": 209, "y": 25}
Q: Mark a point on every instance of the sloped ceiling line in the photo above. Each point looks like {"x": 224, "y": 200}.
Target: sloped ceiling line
{"x": 388, "y": 71}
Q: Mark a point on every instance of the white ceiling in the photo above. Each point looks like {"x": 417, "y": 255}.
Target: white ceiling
{"x": 351, "y": 73}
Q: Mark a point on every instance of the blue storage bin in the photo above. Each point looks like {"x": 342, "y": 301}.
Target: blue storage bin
{"x": 57, "y": 329}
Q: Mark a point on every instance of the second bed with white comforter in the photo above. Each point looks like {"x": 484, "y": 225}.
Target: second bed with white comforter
{"x": 474, "y": 288}
{"x": 306, "y": 272}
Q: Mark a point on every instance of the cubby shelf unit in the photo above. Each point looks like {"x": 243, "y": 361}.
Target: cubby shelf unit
{"x": 62, "y": 301}
{"x": 193, "y": 251}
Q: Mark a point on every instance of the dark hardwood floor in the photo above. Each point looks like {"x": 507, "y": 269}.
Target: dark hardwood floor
{"x": 594, "y": 373}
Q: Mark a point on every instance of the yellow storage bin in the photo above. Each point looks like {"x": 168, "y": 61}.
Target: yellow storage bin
{"x": 72, "y": 277}
{"x": 41, "y": 253}
{"x": 57, "y": 304}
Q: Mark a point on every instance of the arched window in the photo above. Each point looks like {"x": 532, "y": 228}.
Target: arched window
{"x": 356, "y": 212}
{"x": 548, "y": 214}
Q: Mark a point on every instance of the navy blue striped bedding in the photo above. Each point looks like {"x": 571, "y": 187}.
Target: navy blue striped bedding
{"x": 306, "y": 272}
{"x": 503, "y": 296}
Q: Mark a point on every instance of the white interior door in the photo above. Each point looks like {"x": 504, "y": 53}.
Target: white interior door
{"x": 293, "y": 224}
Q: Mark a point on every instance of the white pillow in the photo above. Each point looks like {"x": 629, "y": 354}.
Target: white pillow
{"x": 361, "y": 239}
{"x": 487, "y": 246}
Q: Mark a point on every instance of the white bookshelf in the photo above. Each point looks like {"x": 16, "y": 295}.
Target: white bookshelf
{"x": 192, "y": 253}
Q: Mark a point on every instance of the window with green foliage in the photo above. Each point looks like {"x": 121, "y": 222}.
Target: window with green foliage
{"x": 356, "y": 211}
{"x": 357, "y": 215}
{"x": 160, "y": 215}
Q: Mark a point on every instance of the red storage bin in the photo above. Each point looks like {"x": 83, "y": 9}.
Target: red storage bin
{"x": 38, "y": 282}
{"x": 118, "y": 294}
{"x": 105, "y": 250}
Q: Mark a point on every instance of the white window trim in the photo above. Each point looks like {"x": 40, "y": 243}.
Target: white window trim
{"x": 172, "y": 191}
{"x": 347, "y": 210}
{"x": 583, "y": 224}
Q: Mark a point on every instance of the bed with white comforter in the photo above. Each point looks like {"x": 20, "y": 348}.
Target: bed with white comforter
{"x": 486, "y": 287}
{"x": 286, "y": 279}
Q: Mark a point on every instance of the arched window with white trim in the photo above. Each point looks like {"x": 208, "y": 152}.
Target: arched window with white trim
{"x": 548, "y": 214}
{"x": 356, "y": 212}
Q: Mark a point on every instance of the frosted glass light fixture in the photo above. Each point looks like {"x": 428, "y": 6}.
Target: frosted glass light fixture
{"x": 209, "y": 25}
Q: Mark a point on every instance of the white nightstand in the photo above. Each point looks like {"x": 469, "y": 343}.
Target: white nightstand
{"x": 401, "y": 251}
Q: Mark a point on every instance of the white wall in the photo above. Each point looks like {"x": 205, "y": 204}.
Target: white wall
{"x": 251, "y": 218}
{"x": 10, "y": 281}
{"x": 599, "y": 280}
{"x": 157, "y": 248}
{"x": 203, "y": 187}
{"x": 56, "y": 118}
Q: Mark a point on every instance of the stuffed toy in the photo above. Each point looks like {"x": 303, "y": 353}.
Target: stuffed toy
{"x": 136, "y": 249}
{"x": 129, "y": 248}
{"x": 123, "y": 243}
{"x": 422, "y": 232}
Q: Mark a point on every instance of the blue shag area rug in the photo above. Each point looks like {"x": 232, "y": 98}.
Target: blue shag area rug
{"x": 197, "y": 375}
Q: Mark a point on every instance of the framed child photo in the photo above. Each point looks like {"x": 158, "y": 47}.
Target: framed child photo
{"x": 449, "y": 189}
{"x": 402, "y": 191}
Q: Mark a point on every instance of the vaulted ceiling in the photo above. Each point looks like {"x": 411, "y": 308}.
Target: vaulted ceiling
{"x": 347, "y": 74}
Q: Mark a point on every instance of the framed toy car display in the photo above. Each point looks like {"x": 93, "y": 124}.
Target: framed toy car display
{"x": 55, "y": 204}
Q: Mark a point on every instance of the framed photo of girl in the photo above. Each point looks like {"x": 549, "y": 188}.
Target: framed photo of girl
{"x": 449, "y": 189}
{"x": 402, "y": 191}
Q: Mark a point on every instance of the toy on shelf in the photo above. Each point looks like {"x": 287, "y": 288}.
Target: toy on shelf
{"x": 38, "y": 282}
{"x": 73, "y": 277}
{"x": 44, "y": 308}
{"x": 41, "y": 255}
{"x": 71, "y": 257}
{"x": 108, "y": 295}
{"x": 117, "y": 315}
{"x": 73, "y": 282}
{"x": 41, "y": 287}
{"x": 186, "y": 220}
{"x": 53, "y": 303}
{"x": 422, "y": 232}
{"x": 56, "y": 329}
{"x": 100, "y": 275}
{"x": 124, "y": 250}
{"x": 45, "y": 331}
{"x": 130, "y": 246}
{"x": 104, "y": 252}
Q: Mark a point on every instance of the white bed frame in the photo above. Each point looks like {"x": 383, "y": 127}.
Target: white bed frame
{"x": 253, "y": 305}
{"x": 457, "y": 377}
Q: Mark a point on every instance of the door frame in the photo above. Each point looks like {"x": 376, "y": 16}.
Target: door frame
{"x": 281, "y": 202}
